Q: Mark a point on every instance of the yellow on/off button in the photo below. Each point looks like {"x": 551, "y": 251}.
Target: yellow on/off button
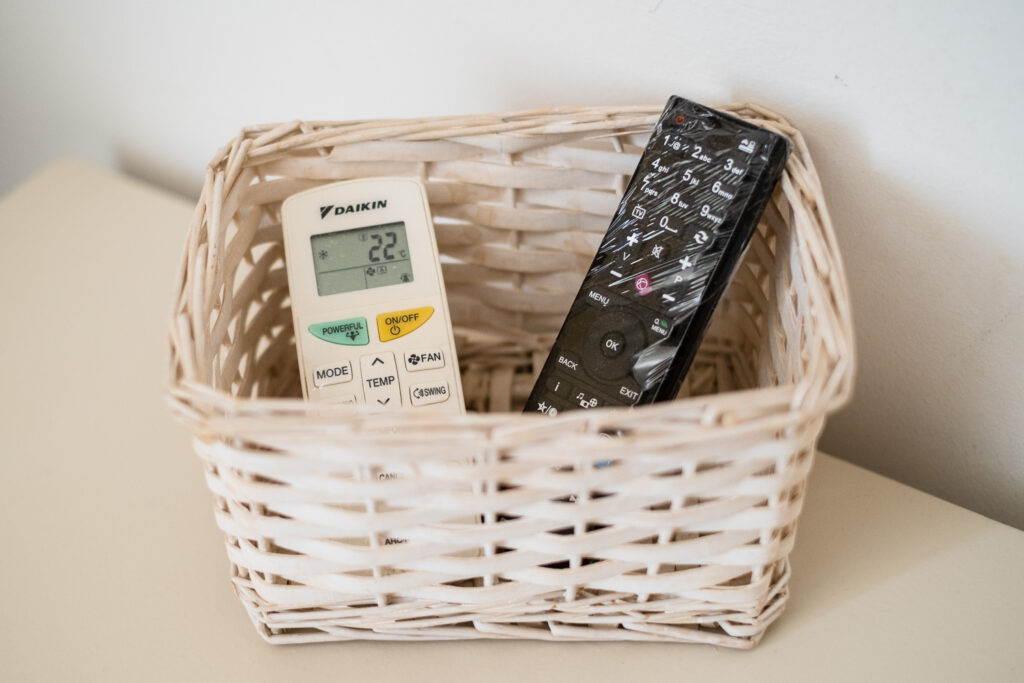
{"x": 400, "y": 323}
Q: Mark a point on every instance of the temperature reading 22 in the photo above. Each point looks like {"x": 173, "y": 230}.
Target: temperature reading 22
{"x": 382, "y": 248}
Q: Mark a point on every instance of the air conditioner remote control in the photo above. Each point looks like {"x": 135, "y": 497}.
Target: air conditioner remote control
{"x": 686, "y": 218}
{"x": 367, "y": 297}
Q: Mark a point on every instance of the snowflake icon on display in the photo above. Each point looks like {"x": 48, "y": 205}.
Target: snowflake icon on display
{"x": 323, "y": 254}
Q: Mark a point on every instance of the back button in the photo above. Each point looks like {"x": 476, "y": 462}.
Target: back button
{"x": 569, "y": 361}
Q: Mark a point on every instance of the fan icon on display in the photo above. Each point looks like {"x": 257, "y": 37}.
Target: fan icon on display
{"x": 371, "y": 270}
{"x": 414, "y": 359}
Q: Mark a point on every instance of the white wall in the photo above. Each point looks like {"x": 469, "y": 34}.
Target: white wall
{"x": 912, "y": 110}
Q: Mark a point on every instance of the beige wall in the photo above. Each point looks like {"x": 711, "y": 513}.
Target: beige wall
{"x": 911, "y": 109}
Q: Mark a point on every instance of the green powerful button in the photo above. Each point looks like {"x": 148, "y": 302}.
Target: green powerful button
{"x": 350, "y": 332}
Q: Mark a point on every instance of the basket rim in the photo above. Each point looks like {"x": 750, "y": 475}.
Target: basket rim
{"x": 196, "y": 402}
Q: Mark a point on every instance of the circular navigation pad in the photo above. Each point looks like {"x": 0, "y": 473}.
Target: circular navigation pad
{"x": 610, "y": 343}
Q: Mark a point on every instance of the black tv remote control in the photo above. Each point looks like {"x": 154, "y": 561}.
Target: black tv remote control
{"x": 678, "y": 235}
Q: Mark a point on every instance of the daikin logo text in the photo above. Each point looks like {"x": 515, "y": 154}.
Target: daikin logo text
{"x": 325, "y": 211}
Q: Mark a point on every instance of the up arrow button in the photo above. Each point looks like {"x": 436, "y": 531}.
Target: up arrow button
{"x": 400, "y": 323}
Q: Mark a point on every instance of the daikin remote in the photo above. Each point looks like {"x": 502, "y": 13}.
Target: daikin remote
{"x": 368, "y": 300}
{"x": 678, "y": 235}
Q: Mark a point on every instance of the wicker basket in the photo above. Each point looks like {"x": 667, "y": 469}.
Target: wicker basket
{"x": 516, "y": 525}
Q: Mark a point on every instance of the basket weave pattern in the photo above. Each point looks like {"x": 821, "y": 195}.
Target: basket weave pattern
{"x": 669, "y": 522}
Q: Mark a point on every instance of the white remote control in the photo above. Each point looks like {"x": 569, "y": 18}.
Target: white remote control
{"x": 368, "y": 301}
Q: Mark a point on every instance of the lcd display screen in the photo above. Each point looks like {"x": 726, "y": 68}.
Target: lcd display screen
{"x": 363, "y": 258}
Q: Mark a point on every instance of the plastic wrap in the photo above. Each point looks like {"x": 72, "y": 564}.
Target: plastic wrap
{"x": 678, "y": 235}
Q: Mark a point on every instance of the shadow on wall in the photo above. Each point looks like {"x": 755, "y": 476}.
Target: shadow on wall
{"x": 937, "y": 313}
{"x": 145, "y": 167}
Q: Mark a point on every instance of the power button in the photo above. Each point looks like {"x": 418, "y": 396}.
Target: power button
{"x": 400, "y": 323}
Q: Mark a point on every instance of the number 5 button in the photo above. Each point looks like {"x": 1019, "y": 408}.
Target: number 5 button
{"x": 400, "y": 323}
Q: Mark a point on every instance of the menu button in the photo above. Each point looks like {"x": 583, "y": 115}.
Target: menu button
{"x": 598, "y": 298}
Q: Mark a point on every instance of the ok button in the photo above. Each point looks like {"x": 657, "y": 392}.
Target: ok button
{"x": 613, "y": 344}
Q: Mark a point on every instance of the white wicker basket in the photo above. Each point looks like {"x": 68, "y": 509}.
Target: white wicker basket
{"x": 513, "y": 531}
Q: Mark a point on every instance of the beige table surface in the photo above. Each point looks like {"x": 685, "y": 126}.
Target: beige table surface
{"x": 111, "y": 567}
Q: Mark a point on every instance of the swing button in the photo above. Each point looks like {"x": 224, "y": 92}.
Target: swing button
{"x": 397, "y": 324}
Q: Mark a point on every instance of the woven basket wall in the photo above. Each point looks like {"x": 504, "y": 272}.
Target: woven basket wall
{"x": 515, "y": 526}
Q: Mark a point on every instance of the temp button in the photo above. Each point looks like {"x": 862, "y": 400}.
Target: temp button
{"x": 400, "y": 323}
{"x": 380, "y": 380}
